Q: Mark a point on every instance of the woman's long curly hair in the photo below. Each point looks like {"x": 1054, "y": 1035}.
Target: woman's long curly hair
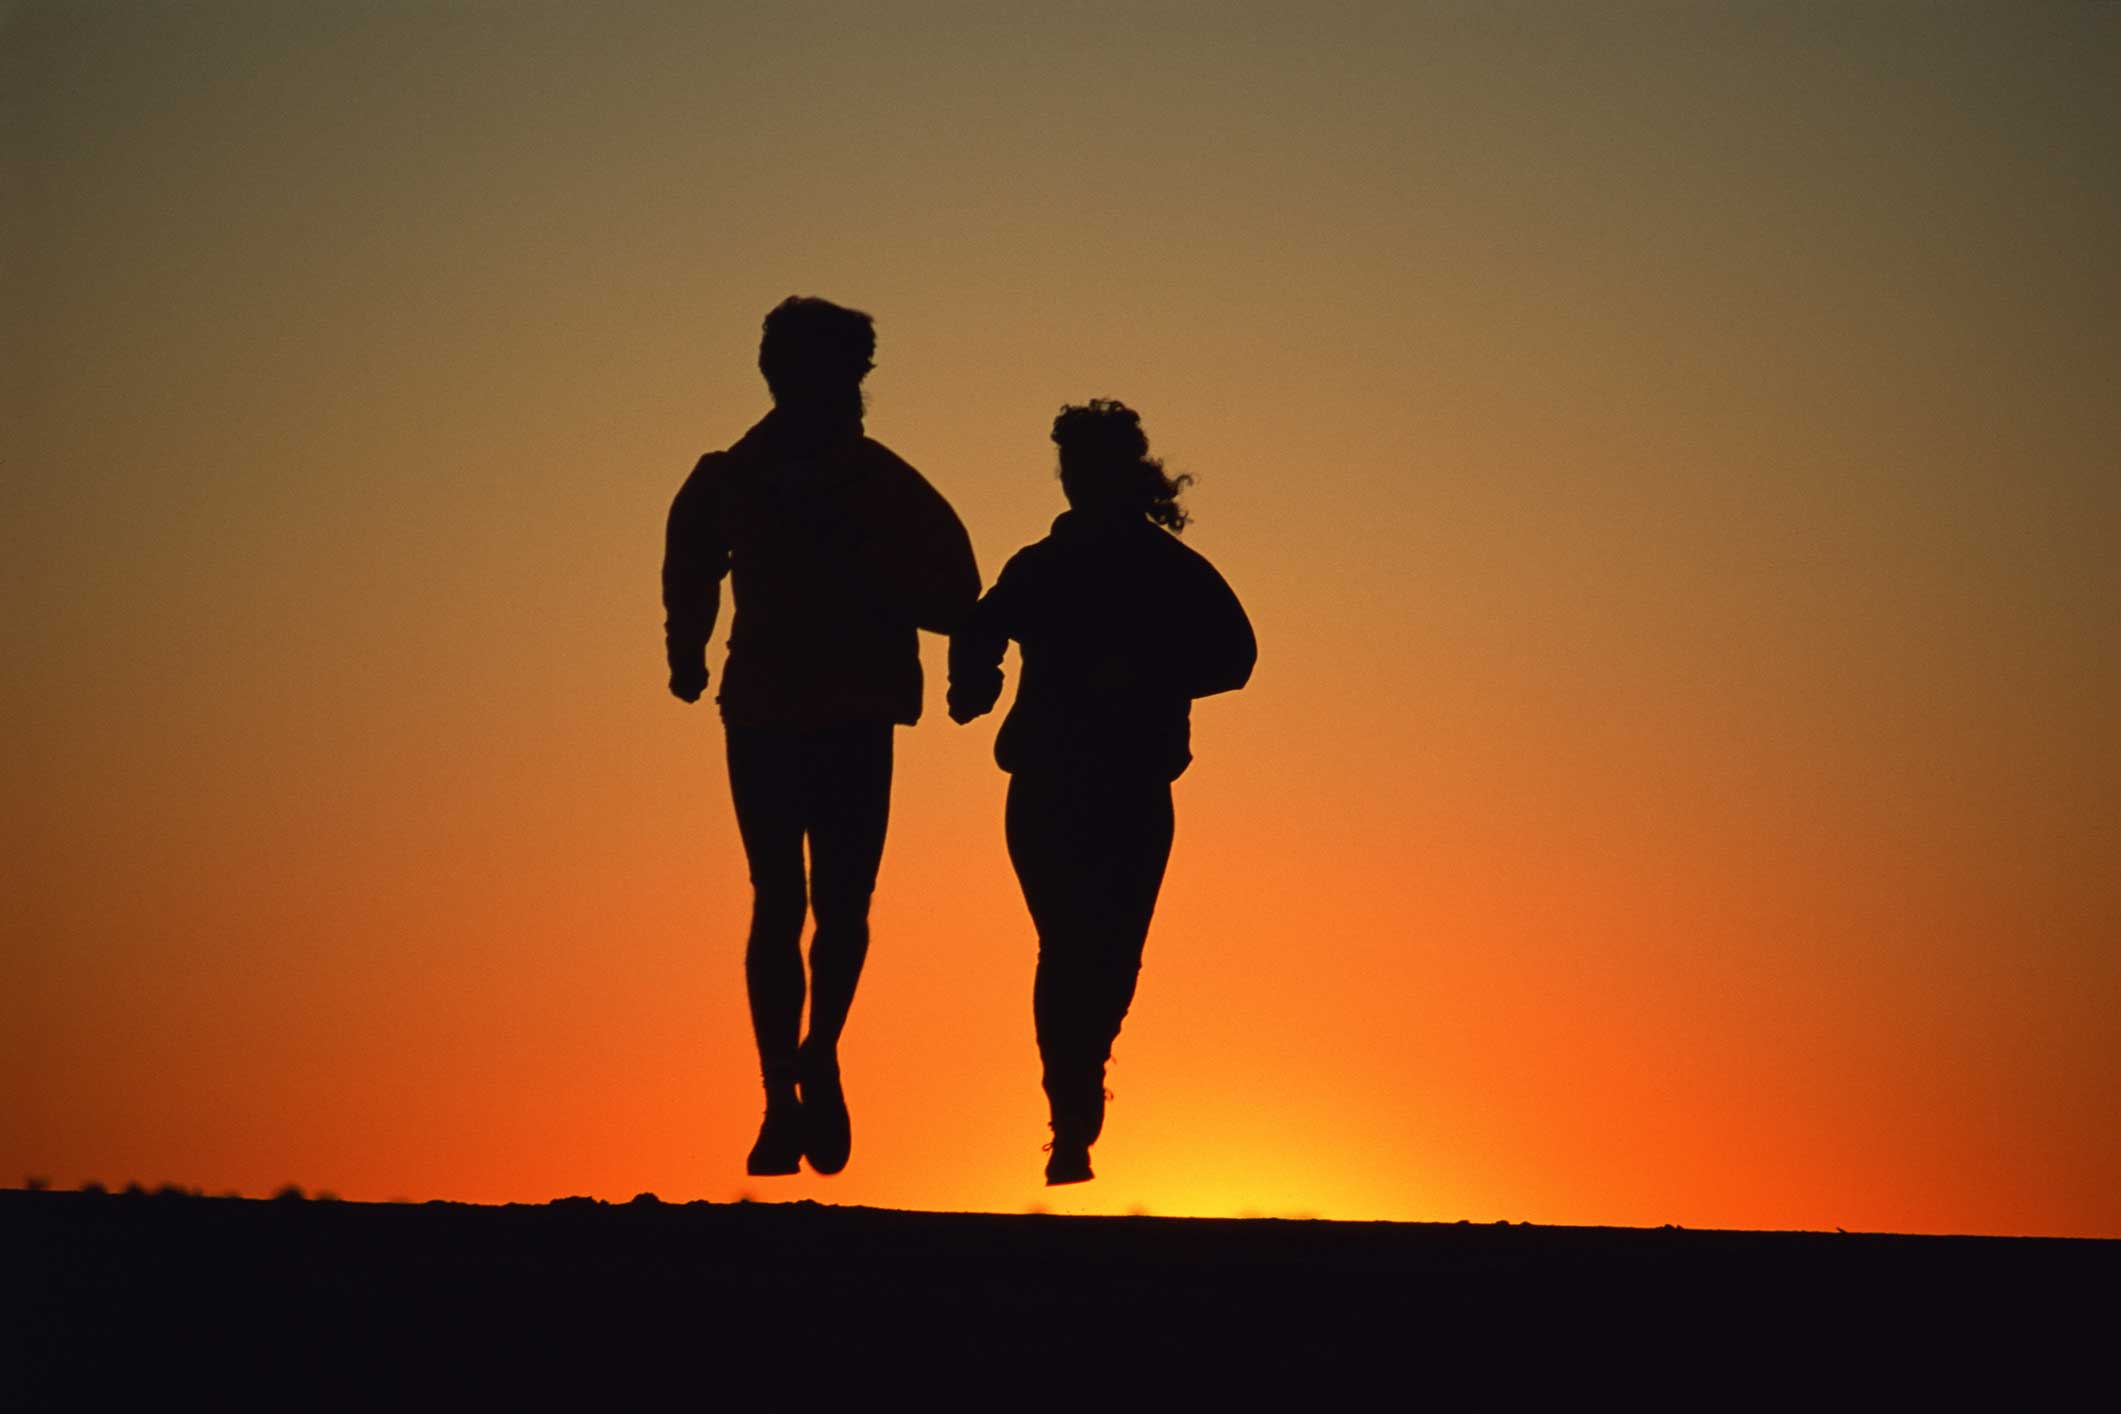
{"x": 1105, "y": 461}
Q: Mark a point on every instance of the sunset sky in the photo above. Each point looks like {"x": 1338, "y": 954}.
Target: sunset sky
{"x": 1667, "y": 452}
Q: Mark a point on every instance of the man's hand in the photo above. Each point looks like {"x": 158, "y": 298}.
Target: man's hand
{"x": 972, "y": 693}
{"x": 688, "y": 681}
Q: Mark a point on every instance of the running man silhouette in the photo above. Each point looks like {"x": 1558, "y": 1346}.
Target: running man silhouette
{"x": 837, "y": 552}
{"x": 1121, "y": 627}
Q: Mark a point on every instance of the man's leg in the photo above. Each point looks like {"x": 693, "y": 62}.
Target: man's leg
{"x": 849, "y": 812}
{"x": 763, "y": 785}
{"x": 849, "y": 809}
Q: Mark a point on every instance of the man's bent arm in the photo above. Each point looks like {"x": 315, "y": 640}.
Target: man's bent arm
{"x": 925, "y": 555}
{"x": 946, "y": 575}
{"x": 695, "y": 557}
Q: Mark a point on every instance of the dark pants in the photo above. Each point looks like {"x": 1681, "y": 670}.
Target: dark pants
{"x": 832, "y": 787}
{"x": 1089, "y": 851}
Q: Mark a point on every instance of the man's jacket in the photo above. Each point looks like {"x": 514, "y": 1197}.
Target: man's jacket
{"x": 837, "y": 551}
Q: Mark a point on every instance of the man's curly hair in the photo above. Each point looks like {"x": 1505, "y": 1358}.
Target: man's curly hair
{"x": 810, "y": 344}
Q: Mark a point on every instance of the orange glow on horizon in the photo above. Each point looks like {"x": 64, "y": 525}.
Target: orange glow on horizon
{"x": 1667, "y": 463}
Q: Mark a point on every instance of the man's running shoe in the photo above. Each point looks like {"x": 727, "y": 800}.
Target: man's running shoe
{"x": 828, "y": 1133}
{"x": 779, "y": 1150}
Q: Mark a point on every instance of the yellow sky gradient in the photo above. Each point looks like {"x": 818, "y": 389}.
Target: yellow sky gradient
{"x": 1666, "y": 451}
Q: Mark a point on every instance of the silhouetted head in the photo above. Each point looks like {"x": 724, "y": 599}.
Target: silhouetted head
{"x": 815, "y": 354}
{"x": 1105, "y": 464}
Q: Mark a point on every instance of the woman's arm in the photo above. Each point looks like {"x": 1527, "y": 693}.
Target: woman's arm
{"x": 976, "y": 648}
{"x": 1221, "y": 647}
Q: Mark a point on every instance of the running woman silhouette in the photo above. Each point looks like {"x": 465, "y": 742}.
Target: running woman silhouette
{"x": 1121, "y": 627}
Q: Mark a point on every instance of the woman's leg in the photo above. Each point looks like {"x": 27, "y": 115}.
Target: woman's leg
{"x": 1090, "y": 855}
{"x": 1134, "y": 821}
{"x": 1043, "y": 828}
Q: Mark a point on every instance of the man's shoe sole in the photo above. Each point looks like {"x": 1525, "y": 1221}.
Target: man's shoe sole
{"x": 828, "y": 1130}
{"x": 778, "y": 1151}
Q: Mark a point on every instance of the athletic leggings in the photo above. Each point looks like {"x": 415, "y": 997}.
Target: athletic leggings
{"x": 832, "y": 787}
{"x": 1089, "y": 851}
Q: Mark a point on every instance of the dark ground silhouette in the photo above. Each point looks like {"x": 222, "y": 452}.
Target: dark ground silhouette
{"x": 333, "y": 1304}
